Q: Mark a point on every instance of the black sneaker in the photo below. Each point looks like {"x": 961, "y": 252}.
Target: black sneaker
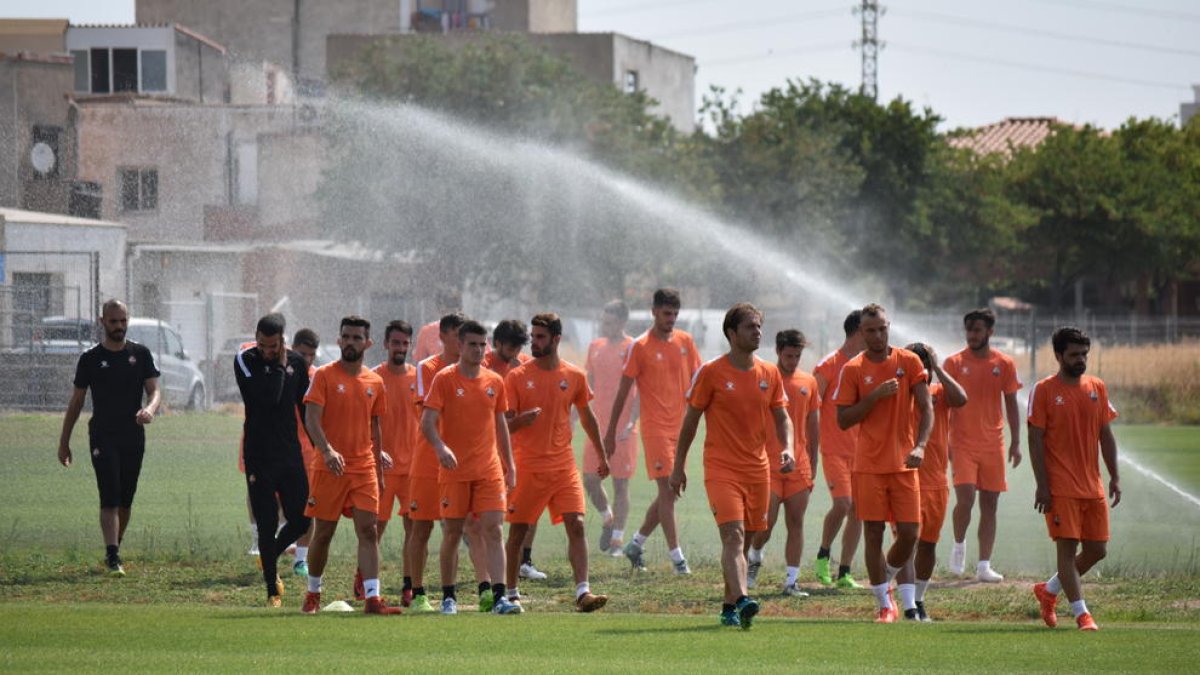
{"x": 114, "y": 567}
{"x": 921, "y": 615}
{"x": 911, "y": 615}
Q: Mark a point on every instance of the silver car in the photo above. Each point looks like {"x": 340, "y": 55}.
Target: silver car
{"x": 182, "y": 383}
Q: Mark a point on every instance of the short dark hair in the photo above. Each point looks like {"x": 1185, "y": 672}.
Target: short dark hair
{"x": 510, "y": 332}
{"x": 853, "y": 319}
{"x": 451, "y": 321}
{"x": 306, "y": 337}
{"x": 873, "y": 310}
{"x": 1069, "y": 335}
{"x": 397, "y": 325}
{"x": 471, "y": 327}
{"x": 271, "y": 325}
{"x": 617, "y": 308}
{"x": 667, "y": 297}
{"x": 549, "y": 321}
{"x": 790, "y": 338}
{"x": 922, "y": 353}
{"x": 984, "y": 314}
{"x": 737, "y": 314}
{"x": 356, "y": 321}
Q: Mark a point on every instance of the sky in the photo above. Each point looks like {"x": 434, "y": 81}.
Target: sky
{"x": 972, "y": 63}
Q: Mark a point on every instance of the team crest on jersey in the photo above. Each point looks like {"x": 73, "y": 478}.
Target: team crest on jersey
{"x": 658, "y": 355}
{"x": 490, "y": 392}
{"x": 412, "y": 386}
{"x": 370, "y": 391}
{"x": 562, "y": 384}
{"x": 529, "y": 384}
{"x": 132, "y": 360}
{"x": 683, "y": 350}
{"x": 966, "y": 370}
{"x": 899, "y": 373}
{"x": 459, "y": 392}
{"x": 341, "y": 388}
{"x": 728, "y": 386}
{"x": 996, "y": 371}
{"x": 512, "y": 508}
{"x": 251, "y": 479}
{"x": 290, "y": 370}
{"x": 104, "y": 364}
{"x": 1093, "y": 395}
{"x": 1058, "y": 400}
{"x": 445, "y": 502}
{"x": 762, "y": 384}
{"x": 804, "y": 391}
{"x": 312, "y": 501}
{"x": 869, "y": 379}
{"x": 412, "y": 506}
{"x": 95, "y": 452}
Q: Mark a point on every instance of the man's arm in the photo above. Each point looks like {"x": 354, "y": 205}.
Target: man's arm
{"x": 956, "y": 396}
{"x": 504, "y": 447}
{"x": 316, "y": 431}
{"x": 783, "y": 431}
{"x": 687, "y": 433}
{"x": 383, "y": 459}
{"x": 147, "y": 413}
{"x": 1108, "y": 451}
{"x": 74, "y": 407}
{"x": 925, "y": 404}
{"x": 849, "y": 415}
{"x": 429, "y": 427}
{"x": 610, "y": 434}
{"x": 515, "y": 421}
{"x": 587, "y": 419}
{"x": 1037, "y": 460}
{"x": 813, "y": 428}
{"x": 1014, "y": 428}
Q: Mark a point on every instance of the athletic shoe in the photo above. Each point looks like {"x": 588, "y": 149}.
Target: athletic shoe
{"x": 912, "y": 615}
{"x": 681, "y": 568}
{"x": 616, "y": 548}
{"x": 114, "y": 567}
{"x": 885, "y": 615}
{"x": 590, "y": 603}
{"x": 634, "y": 553}
{"x": 406, "y": 598}
{"x": 486, "y": 601}
{"x": 258, "y": 562}
{"x": 420, "y": 605}
{"x": 449, "y": 606}
{"x": 278, "y": 585}
{"x": 253, "y": 549}
{"x": 300, "y": 569}
{"x": 1086, "y": 622}
{"x": 794, "y": 591}
{"x": 312, "y": 603}
{"x": 291, "y": 550}
{"x": 847, "y": 583}
{"x": 528, "y": 571}
{"x": 376, "y": 605}
{"x": 822, "y": 569}
{"x": 506, "y": 606}
{"x": 989, "y": 576}
{"x": 274, "y": 601}
{"x": 958, "y": 558}
{"x": 605, "y": 537}
{"x": 746, "y": 608}
{"x": 1048, "y": 602}
{"x": 730, "y": 618}
{"x": 360, "y": 591}
{"x": 921, "y": 613}
{"x": 752, "y": 574}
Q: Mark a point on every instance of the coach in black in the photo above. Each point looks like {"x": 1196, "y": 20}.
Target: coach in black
{"x": 121, "y": 374}
{"x": 273, "y": 381}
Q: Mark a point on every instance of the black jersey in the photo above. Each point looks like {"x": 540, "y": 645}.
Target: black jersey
{"x": 118, "y": 384}
{"x": 272, "y": 393}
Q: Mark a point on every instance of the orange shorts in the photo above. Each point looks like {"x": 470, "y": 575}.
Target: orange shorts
{"x": 732, "y": 501}
{"x": 660, "y": 455}
{"x": 560, "y": 491}
{"x": 837, "y": 474}
{"x": 933, "y": 513}
{"x": 423, "y": 498}
{"x": 621, "y": 464}
{"x": 395, "y": 491}
{"x": 983, "y": 470}
{"x": 1082, "y": 519}
{"x": 464, "y": 497}
{"x": 330, "y": 496}
{"x": 894, "y": 497}
{"x": 784, "y": 485}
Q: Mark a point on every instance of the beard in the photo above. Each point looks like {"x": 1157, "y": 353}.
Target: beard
{"x": 1077, "y": 369}
{"x": 349, "y": 353}
{"x": 538, "y": 352}
{"x": 115, "y": 335}
{"x": 399, "y": 358}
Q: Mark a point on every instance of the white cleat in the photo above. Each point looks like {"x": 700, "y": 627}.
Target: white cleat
{"x": 794, "y": 591}
{"x": 958, "y": 558}
{"x": 989, "y": 575}
{"x": 528, "y": 571}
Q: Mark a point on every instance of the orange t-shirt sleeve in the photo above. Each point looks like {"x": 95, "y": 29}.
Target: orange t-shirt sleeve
{"x": 435, "y": 399}
{"x": 1011, "y": 384}
{"x": 693, "y": 356}
{"x": 779, "y": 397}
{"x": 1037, "y": 407}
{"x": 845, "y": 388}
{"x": 814, "y": 397}
{"x": 379, "y": 404}
{"x": 915, "y": 369}
{"x": 501, "y": 396}
{"x": 633, "y": 361}
{"x": 1110, "y": 411}
{"x": 700, "y": 394}
{"x": 583, "y": 392}
{"x": 316, "y": 389}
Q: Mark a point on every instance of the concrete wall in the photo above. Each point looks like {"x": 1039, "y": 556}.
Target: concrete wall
{"x": 536, "y": 16}
{"x": 37, "y": 36}
{"x": 33, "y": 92}
{"x": 201, "y": 73}
{"x": 258, "y": 30}
{"x": 107, "y": 239}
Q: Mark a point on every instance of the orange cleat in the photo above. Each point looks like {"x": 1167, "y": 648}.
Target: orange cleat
{"x": 274, "y": 602}
{"x": 1048, "y": 601}
{"x": 406, "y": 598}
{"x": 312, "y": 603}
{"x": 1086, "y": 622}
{"x": 376, "y": 605}
{"x": 885, "y": 615}
{"x": 360, "y": 592}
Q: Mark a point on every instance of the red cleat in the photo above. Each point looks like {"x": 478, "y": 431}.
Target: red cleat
{"x": 1086, "y": 622}
{"x": 406, "y": 598}
{"x": 885, "y": 615}
{"x": 1048, "y": 602}
{"x": 376, "y": 605}
{"x": 312, "y": 603}
{"x": 360, "y": 592}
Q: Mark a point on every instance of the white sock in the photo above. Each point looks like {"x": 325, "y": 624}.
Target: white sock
{"x": 254, "y": 533}
{"x": 891, "y": 571}
{"x": 618, "y": 535}
{"x": 908, "y": 596}
{"x": 639, "y": 539}
{"x": 677, "y": 555}
{"x": 960, "y": 547}
{"x": 301, "y": 554}
{"x": 1054, "y": 585}
{"x": 1079, "y": 608}
{"x": 921, "y": 584}
{"x": 314, "y": 584}
{"x": 581, "y": 588}
{"x": 513, "y": 593}
{"x": 372, "y": 587}
{"x": 881, "y": 595}
{"x": 983, "y": 566}
{"x": 793, "y": 573}
{"x": 755, "y": 555}
{"x": 607, "y": 515}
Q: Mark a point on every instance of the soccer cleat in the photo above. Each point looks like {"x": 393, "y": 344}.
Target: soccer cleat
{"x": 752, "y": 574}
{"x": 486, "y": 601}
{"x": 528, "y": 571}
{"x": 912, "y": 615}
{"x": 730, "y": 618}
{"x": 590, "y": 603}
{"x": 794, "y": 591}
{"x": 885, "y": 615}
{"x": 360, "y": 591}
{"x": 1086, "y": 622}
{"x": 634, "y": 553}
{"x": 406, "y": 598}
{"x": 274, "y": 601}
{"x": 847, "y": 583}
{"x": 746, "y": 609}
{"x": 606, "y": 531}
{"x": 300, "y": 569}
{"x": 958, "y": 558}
{"x": 420, "y": 605}
{"x": 114, "y": 567}
{"x": 822, "y": 569}
{"x": 616, "y": 548}
{"x": 681, "y": 568}
{"x": 312, "y": 603}
{"x": 921, "y": 613}
{"x": 278, "y": 585}
{"x": 253, "y": 549}
{"x": 376, "y": 605}
{"x": 989, "y": 576}
{"x": 449, "y": 606}
{"x": 1048, "y": 602}
{"x": 506, "y": 606}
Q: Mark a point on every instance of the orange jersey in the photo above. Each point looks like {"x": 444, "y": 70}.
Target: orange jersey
{"x": 468, "y": 408}
{"x": 978, "y": 426}
{"x": 349, "y": 403}
{"x": 545, "y": 445}
{"x": 492, "y": 362}
{"x": 737, "y": 408}
{"x": 424, "y": 461}
{"x": 933, "y": 467}
{"x": 605, "y": 362}
{"x": 662, "y": 369}
{"x": 429, "y": 341}
{"x": 1071, "y": 417}
{"x": 400, "y": 426}
{"x": 801, "y": 390}
{"x": 834, "y": 440}
{"x": 885, "y": 435}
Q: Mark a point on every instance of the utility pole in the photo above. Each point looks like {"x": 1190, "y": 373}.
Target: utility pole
{"x": 870, "y": 45}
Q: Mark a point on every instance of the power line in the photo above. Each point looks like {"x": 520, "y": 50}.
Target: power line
{"x": 757, "y": 23}
{"x": 1169, "y": 14}
{"x": 772, "y": 54}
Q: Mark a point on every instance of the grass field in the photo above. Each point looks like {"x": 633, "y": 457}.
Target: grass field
{"x": 192, "y": 599}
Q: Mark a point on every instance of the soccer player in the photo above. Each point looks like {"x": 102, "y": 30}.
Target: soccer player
{"x": 739, "y": 395}
{"x": 125, "y": 397}
{"x": 399, "y": 437}
{"x": 605, "y": 361}
{"x": 935, "y": 493}
{"x": 1069, "y": 418}
{"x": 837, "y": 453}
{"x": 545, "y": 459}
{"x": 877, "y": 391}
{"x": 272, "y": 380}
{"x": 305, "y": 343}
{"x": 423, "y": 505}
{"x": 345, "y": 405}
{"x": 464, "y": 420}
{"x": 661, "y": 362}
{"x": 977, "y": 438}
{"x": 790, "y": 490}
{"x": 429, "y": 341}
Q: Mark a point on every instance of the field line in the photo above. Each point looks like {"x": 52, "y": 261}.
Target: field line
{"x": 1154, "y": 475}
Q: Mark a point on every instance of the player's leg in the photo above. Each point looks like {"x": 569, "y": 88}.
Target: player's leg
{"x": 988, "y": 503}
{"x": 620, "y": 509}
{"x": 366, "y": 527}
{"x": 905, "y": 572}
{"x": 512, "y": 551}
{"x": 107, "y": 469}
{"x": 452, "y": 532}
{"x": 491, "y": 532}
{"x": 528, "y": 569}
{"x": 416, "y": 552}
{"x": 733, "y": 560}
{"x": 292, "y": 493}
{"x": 852, "y": 533}
{"x": 594, "y": 486}
{"x": 756, "y": 542}
{"x": 666, "y": 518}
{"x": 964, "y": 503}
{"x": 318, "y": 555}
{"x": 260, "y": 488}
{"x": 794, "y": 508}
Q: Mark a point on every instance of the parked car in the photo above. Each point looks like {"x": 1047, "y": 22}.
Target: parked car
{"x": 224, "y": 384}
{"x": 182, "y": 383}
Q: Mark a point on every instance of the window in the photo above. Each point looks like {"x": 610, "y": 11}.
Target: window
{"x": 83, "y": 77}
{"x": 139, "y": 189}
{"x": 32, "y": 293}
{"x": 103, "y": 70}
{"x": 154, "y": 70}
{"x": 124, "y": 70}
{"x": 86, "y": 198}
{"x": 174, "y": 346}
{"x": 631, "y": 81}
{"x": 99, "y": 68}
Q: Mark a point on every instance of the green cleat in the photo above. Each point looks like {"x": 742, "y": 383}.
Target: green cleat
{"x": 847, "y": 583}
{"x": 420, "y": 605}
{"x": 300, "y": 569}
{"x": 822, "y": 570}
{"x": 730, "y": 618}
{"x": 486, "y": 601}
{"x": 746, "y": 610}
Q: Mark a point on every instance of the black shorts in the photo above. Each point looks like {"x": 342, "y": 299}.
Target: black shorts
{"x": 117, "y": 460}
